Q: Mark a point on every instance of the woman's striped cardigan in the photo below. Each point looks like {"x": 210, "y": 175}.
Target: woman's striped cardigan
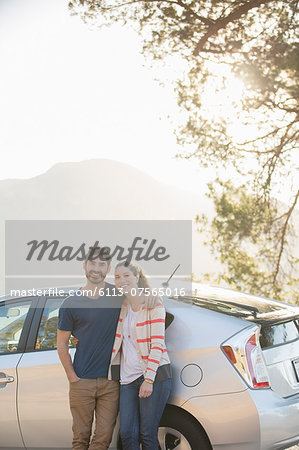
{"x": 150, "y": 343}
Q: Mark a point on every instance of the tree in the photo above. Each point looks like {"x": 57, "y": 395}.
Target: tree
{"x": 250, "y": 238}
{"x": 252, "y": 232}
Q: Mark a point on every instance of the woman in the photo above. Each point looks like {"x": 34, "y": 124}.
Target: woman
{"x": 140, "y": 361}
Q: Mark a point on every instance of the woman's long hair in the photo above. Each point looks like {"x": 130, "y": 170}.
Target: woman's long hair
{"x": 137, "y": 271}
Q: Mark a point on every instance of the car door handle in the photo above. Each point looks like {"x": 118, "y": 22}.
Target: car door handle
{"x": 7, "y": 379}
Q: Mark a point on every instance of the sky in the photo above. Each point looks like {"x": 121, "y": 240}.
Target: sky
{"x": 69, "y": 93}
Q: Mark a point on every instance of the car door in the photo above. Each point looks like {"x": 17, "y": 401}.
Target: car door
{"x": 43, "y": 404}
{"x": 43, "y": 400}
{"x": 15, "y": 319}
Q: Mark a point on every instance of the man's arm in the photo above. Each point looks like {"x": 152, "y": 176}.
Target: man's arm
{"x": 64, "y": 355}
{"x": 152, "y": 301}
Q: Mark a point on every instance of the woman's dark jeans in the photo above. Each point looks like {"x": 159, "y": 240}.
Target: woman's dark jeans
{"x": 140, "y": 417}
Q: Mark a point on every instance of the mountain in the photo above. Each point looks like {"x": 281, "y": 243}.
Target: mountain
{"x": 101, "y": 189}
{"x": 96, "y": 189}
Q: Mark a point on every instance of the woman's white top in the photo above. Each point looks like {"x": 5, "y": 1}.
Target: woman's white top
{"x": 130, "y": 368}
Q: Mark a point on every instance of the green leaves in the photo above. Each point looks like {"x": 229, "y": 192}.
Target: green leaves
{"x": 246, "y": 235}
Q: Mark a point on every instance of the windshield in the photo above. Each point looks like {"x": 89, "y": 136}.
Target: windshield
{"x": 247, "y": 306}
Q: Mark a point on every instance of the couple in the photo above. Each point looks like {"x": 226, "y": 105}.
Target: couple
{"x": 121, "y": 361}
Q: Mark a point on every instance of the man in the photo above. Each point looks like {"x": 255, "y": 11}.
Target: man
{"x": 92, "y": 317}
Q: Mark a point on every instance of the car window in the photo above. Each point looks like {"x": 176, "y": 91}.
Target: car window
{"x": 12, "y": 318}
{"x": 47, "y": 331}
{"x": 279, "y": 334}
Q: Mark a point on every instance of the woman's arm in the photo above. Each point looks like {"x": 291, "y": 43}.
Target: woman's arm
{"x": 157, "y": 336}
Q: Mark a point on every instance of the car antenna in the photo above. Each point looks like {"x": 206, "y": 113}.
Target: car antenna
{"x": 166, "y": 283}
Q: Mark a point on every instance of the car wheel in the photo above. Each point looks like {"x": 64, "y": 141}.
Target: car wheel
{"x": 178, "y": 431}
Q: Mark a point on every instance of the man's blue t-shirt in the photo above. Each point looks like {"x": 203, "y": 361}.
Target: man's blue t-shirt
{"x": 93, "y": 322}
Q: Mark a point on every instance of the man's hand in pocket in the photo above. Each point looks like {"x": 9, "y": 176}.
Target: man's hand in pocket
{"x": 75, "y": 341}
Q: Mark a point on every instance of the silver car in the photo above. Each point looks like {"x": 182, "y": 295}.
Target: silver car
{"x": 235, "y": 361}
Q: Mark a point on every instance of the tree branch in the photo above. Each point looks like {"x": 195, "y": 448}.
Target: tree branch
{"x": 180, "y": 3}
{"x": 283, "y": 236}
{"x": 222, "y": 23}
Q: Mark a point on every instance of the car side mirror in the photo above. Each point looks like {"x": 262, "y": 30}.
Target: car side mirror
{"x": 13, "y": 312}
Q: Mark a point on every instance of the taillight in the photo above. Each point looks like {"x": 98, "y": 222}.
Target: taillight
{"x": 244, "y": 352}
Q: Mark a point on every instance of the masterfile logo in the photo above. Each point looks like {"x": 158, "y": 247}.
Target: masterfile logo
{"x": 142, "y": 249}
{"x": 50, "y": 253}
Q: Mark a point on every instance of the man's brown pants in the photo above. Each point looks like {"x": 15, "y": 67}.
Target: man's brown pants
{"x": 90, "y": 396}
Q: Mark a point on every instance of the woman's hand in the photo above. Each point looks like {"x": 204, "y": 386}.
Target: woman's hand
{"x": 146, "y": 389}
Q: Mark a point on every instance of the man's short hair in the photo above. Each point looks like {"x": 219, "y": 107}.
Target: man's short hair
{"x": 102, "y": 253}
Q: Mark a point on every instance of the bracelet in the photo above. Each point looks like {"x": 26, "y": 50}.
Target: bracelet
{"x": 148, "y": 380}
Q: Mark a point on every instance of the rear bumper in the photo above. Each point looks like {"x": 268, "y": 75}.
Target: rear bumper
{"x": 279, "y": 419}
{"x": 247, "y": 420}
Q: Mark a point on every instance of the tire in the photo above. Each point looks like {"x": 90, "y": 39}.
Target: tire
{"x": 178, "y": 430}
